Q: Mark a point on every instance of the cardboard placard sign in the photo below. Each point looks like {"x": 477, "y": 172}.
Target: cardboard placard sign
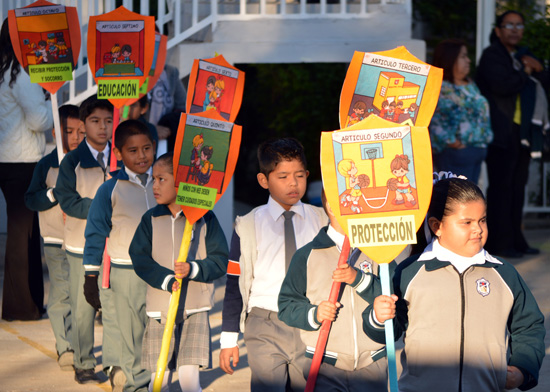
{"x": 393, "y": 85}
{"x": 377, "y": 177}
{"x": 121, "y": 47}
{"x": 205, "y": 156}
{"x": 46, "y": 41}
{"x": 214, "y": 84}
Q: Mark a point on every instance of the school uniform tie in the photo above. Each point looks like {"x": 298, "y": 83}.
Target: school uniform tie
{"x": 143, "y": 178}
{"x": 290, "y": 238}
{"x": 100, "y": 160}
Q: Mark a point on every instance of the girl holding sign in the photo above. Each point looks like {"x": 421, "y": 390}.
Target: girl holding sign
{"x": 463, "y": 310}
{"x": 153, "y": 250}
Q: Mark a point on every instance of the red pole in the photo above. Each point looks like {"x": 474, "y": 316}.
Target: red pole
{"x": 325, "y": 326}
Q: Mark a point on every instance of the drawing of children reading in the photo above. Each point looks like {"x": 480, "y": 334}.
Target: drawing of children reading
{"x": 206, "y": 167}
{"x": 403, "y": 192}
{"x": 210, "y": 82}
{"x": 358, "y": 113}
{"x": 347, "y": 168}
{"x": 195, "y": 164}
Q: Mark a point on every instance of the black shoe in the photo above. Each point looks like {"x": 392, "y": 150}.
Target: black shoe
{"x": 86, "y": 376}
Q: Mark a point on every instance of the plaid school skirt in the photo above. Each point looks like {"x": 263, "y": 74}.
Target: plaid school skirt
{"x": 190, "y": 337}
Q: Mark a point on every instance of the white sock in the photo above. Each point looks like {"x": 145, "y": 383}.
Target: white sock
{"x": 166, "y": 381}
{"x": 189, "y": 378}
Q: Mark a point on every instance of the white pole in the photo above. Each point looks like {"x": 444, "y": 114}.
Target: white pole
{"x": 57, "y": 127}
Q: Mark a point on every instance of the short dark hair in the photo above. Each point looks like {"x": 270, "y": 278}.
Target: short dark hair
{"x": 143, "y": 101}
{"x": 130, "y": 128}
{"x": 445, "y": 55}
{"x": 66, "y": 112}
{"x": 500, "y": 18}
{"x": 92, "y": 103}
{"x": 126, "y": 48}
{"x": 271, "y": 152}
{"x": 166, "y": 160}
{"x": 448, "y": 193}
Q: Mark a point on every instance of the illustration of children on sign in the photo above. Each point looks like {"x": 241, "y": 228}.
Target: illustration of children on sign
{"x": 205, "y": 172}
{"x": 210, "y": 82}
{"x": 412, "y": 110}
{"x": 219, "y": 89}
{"x": 114, "y": 59}
{"x": 384, "y": 109}
{"x": 195, "y": 164}
{"x": 62, "y": 46}
{"x": 41, "y": 52}
{"x": 115, "y": 54}
{"x": 358, "y": 113}
{"x": 126, "y": 53}
{"x": 212, "y": 101}
{"x": 354, "y": 183}
{"x": 401, "y": 184}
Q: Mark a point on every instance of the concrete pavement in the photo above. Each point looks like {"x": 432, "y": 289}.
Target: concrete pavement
{"x": 28, "y": 357}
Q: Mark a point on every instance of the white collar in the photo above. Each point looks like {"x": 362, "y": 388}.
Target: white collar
{"x": 336, "y": 237}
{"x": 134, "y": 177}
{"x": 276, "y": 210}
{"x": 95, "y": 152}
{"x": 434, "y": 250}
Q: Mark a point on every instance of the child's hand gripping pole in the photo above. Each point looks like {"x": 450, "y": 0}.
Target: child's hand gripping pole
{"x": 106, "y": 280}
{"x": 388, "y": 326}
{"x": 171, "y": 317}
{"x": 325, "y": 326}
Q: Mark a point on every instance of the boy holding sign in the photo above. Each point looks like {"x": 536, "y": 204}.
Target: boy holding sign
{"x": 81, "y": 173}
{"x": 115, "y": 214}
{"x": 261, "y": 249}
{"x": 153, "y": 250}
{"x": 39, "y": 197}
{"x": 351, "y": 361}
{"x": 471, "y": 322}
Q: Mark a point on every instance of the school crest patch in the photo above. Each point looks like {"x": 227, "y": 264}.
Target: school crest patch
{"x": 483, "y": 287}
{"x": 366, "y": 267}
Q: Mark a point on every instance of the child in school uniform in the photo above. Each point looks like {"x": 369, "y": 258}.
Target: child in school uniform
{"x": 259, "y": 256}
{"x": 81, "y": 173}
{"x": 351, "y": 361}
{"x": 39, "y": 197}
{"x": 115, "y": 214}
{"x": 137, "y": 111}
{"x": 470, "y": 321}
{"x": 153, "y": 250}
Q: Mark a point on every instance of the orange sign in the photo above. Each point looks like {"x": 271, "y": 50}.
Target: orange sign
{"x": 377, "y": 177}
{"x": 46, "y": 41}
{"x": 205, "y": 156}
{"x": 214, "y": 84}
{"x": 393, "y": 85}
{"x": 121, "y": 46}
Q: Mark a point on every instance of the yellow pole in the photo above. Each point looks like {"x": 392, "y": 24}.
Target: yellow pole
{"x": 171, "y": 318}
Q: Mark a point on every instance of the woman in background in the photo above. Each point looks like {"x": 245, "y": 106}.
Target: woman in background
{"x": 25, "y": 116}
{"x": 460, "y": 129}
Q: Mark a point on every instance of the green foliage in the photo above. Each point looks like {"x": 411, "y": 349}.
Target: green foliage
{"x": 298, "y": 100}
{"x": 537, "y": 35}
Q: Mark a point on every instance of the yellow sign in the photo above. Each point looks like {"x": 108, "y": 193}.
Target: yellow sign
{"x": 377, "y": 177}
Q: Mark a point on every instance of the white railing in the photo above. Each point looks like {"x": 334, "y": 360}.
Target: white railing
{"x": 183, "y": 19}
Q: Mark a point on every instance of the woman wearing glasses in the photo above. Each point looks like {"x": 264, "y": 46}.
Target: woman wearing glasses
{"x": 504, "y": 78}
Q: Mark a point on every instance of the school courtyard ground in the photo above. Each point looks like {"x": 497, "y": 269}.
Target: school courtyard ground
{"x": 28, "y": 357}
